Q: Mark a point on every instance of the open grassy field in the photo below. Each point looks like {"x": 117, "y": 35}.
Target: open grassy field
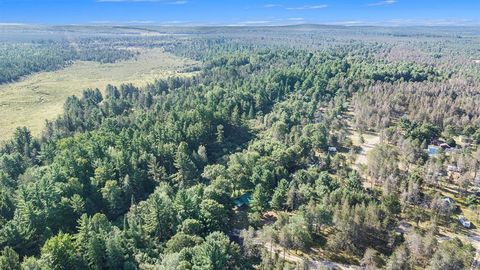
{"x": 38, "y": 97}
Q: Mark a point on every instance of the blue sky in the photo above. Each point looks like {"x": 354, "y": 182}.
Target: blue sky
{"x": 241, "y": 12}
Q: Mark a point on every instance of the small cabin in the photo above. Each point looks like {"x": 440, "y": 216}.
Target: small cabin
{"x": 243, "y": 200}
{"x": 332, "y": 149}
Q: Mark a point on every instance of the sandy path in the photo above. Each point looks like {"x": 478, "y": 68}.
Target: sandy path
{"x": 474, "y": 239}
{"x": 312, "y": 263}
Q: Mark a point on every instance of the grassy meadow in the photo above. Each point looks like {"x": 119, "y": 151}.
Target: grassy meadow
{"x": 32, "y": 100}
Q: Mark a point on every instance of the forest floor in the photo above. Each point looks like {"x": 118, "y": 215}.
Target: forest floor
{"x": 475, "y": 240}
{"x": 472, "y": 237}
{"x": 312, "y": 261}
{"x": 371, "y": 139}
{"x": 35, "y": 98}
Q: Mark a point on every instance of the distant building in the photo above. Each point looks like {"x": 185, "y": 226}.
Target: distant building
{"x": 452, "y": 168}
{"x": 332, "y": 149}
{"x": 243, "y": 200}
{"x": 445, "y": 146}
{"x": 433, "y": 150}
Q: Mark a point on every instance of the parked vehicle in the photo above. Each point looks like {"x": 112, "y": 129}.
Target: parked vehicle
{"x": 465, "y": 222}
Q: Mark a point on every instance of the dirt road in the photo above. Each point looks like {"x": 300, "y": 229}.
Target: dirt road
{"x": 474, "y": 239}
{"x": 312, "y": 263}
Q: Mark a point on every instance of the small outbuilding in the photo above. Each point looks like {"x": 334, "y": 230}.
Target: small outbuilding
{"x": 243, "y": 200}
{"x": 453, "y": 168}
{"x": 433, "y": 150}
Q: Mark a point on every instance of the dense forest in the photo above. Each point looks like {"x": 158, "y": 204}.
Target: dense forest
{"x": 21, "y": 59}
{"x": 251, "y": 161}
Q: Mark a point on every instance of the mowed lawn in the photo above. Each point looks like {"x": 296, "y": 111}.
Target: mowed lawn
{"x": 41, "y": 96}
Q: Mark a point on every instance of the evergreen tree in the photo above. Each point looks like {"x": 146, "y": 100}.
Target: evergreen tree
{"x": 259, "y": 200}
{"x": 9, "y": 259}
{"x": 186, "y": 169}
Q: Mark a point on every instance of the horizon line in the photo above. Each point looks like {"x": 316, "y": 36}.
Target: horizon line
{"x": 252, "y": 25}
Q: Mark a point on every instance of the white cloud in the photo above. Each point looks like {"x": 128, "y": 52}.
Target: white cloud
{"x": 101, "y": 22}
{"x": 272, "y": 6}
{"x": 295, "y": 19}
{"x": 254, "y": 22}
{"x": 175, "y": 22}
{"x": 347, "y": 23}
{"x": 122, "y": 22}
{"x": 179, "y": 2}
{"x": 407, "y": 23}
{"x": 306, "y": 7}
{"x": 431, "y": 22}
{"x": 11, "y": 24}
{"x": 141, "y": 22}
{"x": 383, "y": 3}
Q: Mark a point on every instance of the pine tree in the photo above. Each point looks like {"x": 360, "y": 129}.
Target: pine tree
{"x": 155, "y": 171}
{"x": 59, "y": 253}
{"x": 251, "y": 112}
{"x": 9, "y": 259}
{"x": 159, "y": 215}
{"x": 279, "y": 196}
{"x": 259, "y": 201}
{"x": 220, "y": 134}
{"x": 186, "y": 169}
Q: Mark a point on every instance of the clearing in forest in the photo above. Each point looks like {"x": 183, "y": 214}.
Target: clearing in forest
{"x": 41, "y": 96}
{"x": 370, "y": 139}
